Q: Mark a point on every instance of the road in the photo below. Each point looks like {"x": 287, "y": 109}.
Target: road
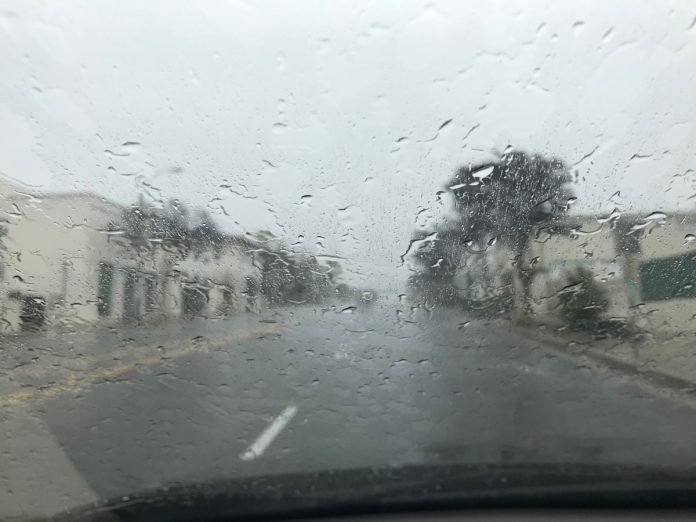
{"x": 317, "y": 389}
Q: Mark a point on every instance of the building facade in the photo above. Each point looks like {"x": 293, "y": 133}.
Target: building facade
{"x": 644, "y": 264}
{"x": 67, "y": 264}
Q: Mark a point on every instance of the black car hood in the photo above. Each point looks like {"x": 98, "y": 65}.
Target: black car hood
{"x": 404, "y": 488}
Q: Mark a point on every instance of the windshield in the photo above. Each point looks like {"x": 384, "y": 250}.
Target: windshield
{"x": 249, "y": 239}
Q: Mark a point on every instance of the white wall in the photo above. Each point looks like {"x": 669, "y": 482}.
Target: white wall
{"x": 555, "y": 256}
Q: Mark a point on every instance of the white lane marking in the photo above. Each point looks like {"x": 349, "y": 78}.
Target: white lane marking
{"x": 268, "y": 435}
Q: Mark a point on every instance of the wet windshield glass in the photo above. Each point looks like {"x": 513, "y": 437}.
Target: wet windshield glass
{"x": 245, "y": 239}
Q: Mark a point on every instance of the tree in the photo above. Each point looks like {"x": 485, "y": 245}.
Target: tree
{"x": 206, "y": 235}
{"x": 502, "y": 202}
{"x": 173, "y": 222}
{"x": 583, "y": 301}
{"x": 507, "y": 200}
{"x": 438, "y": 255}
{"x": 292, "y": 277}
{"x": 171, "y": 226}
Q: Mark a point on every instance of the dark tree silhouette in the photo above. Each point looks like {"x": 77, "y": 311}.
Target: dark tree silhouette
{"x": 508, "y": 199}
{"x": 170, "y": 226}
{"x": 173, "y": 222}
{"x": 291, "y": 277}
{"x": 438, "y": 255}
{"x": 504, "y": 202}
{"x": 294, "y": 278}
{"x": 206, "y": 234}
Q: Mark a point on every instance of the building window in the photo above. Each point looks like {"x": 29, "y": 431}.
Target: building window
{"x": 227, "y": 300}
{"x": 105, "y": 277}
{"x": 150, "y": 288}
{"x": 131, "y": 303}
{"x": 194, "y": 300}
{"x": 33, "y": 315}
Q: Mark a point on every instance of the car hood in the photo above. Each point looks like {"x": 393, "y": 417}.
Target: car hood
{"x": 403, "y": 488}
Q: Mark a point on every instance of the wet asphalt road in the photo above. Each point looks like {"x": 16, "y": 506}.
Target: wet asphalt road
{"x": 329, "y": 390}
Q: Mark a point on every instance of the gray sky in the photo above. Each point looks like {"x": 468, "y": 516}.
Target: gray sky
{"x": 281, "y": 100}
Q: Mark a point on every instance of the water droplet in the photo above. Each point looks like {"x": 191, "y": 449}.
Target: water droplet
{"x": 269, "y": 163}
{"x": 279, "y": 127}
{"x": 608, "y": 36}
{"x": 445, "y": 124}
{"x": 656, "y": 216}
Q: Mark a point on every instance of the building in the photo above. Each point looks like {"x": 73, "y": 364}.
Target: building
{"x": 645, "y": 264}
{"x": 69, "y": 262}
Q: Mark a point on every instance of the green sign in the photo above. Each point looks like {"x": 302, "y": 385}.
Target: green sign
{"x": 668, "y": 278}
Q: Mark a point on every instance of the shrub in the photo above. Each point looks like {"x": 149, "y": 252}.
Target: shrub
{"x": 583, "y": 301}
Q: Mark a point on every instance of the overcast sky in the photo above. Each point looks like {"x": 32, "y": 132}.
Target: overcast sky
{"x": 276, "y": 115}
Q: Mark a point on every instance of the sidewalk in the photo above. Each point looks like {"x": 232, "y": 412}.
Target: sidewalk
{"x": 669, "y": 361}
{"x": 33, "y": 365}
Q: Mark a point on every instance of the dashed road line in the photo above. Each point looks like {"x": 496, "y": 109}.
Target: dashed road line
{"x": 267, "y": 436}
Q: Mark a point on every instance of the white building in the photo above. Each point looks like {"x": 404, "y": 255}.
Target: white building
{"x": 645, "y": 264}
{"x": 65, "y": 265}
